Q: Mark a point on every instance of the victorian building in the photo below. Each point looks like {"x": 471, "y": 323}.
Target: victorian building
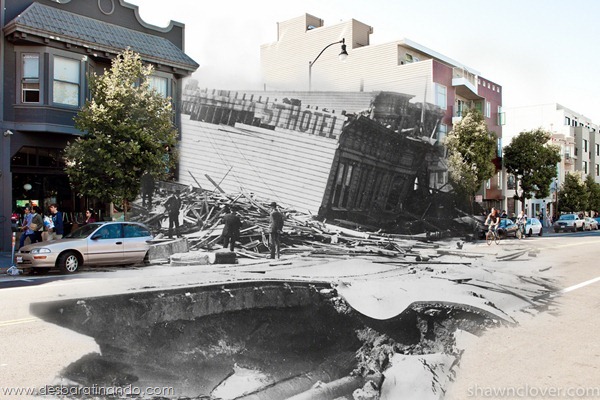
{"x": 49, "y": 48}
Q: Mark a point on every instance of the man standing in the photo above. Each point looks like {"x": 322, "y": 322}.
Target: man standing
{"x": 27, "y": 231}
{"x": 231, "y": 230}
{"x": 147, "y": 190}
{"x": 57, "y": 231}
{"x": 275, "y": 229}
{"x": 172, "y": 205}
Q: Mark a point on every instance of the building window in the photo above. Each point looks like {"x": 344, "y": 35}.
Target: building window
{"x": 501, "y": 117}
{"x": 597, "y": 170}
{"x": 488, "y": 184}
{"x": 66, "y": 81}
{"x": 30, "y": 83}
{"x": 598, "y": 149}
{"x": 585, "y": 167}
{"x": 510, "y": 182}
{"x": 585, "y": 145}
{"x": 499, "y": 180}
{"x": 488, "y": 109}
{"x": 441, "y": 96}
{"x": 442, "y": 131}
{"x": 159, "y": 84}
{"x": 567, "y": 121}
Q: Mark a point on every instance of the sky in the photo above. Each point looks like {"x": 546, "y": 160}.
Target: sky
{"x": 539, "y": 51}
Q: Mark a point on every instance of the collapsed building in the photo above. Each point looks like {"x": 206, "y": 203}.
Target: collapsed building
{"x": 352, "y": 156}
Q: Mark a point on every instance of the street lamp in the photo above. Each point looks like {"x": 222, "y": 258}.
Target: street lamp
{"x": 342, "y": 56}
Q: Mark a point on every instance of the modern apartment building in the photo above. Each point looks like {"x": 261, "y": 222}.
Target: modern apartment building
{"x": 305, "y": 57}
{"x": 48, "y": 50}
{"x": 576, "y": 134}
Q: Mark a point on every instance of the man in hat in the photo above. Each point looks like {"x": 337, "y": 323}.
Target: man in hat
{"x": 275, "y": 229}
{"x": 231, "y": 228}
{"x": 172, "y": 205}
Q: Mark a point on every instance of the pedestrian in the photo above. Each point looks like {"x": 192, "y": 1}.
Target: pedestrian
{"x": 172, "y": 205}
{"x": 27, "y": 231}
{"x": 89, "y": 216}
{"x": 521, "y": 222}
{"x": 231, "y": 229}
{"x": 37, "y": 224}
{"x": 275, "y": 229}
{"x": 57, "y": 230}
{"x": 147, "y": 190}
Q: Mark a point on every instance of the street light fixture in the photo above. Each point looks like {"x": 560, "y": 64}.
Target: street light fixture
{"x": 342, "y": 56}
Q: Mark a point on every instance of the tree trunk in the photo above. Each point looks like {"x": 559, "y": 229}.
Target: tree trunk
{"x": 124, "y": 210}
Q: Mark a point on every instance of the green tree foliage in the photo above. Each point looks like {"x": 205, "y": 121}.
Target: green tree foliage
{"x": 532, "y": 161}
{"x": 573, "y": 196}
{"x": 128, "y": 130}
{"x": 593, "y": 190}
{"x": 471, "y": 149}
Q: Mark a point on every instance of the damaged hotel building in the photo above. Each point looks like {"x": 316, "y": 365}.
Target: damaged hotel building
{"x": 352, "y": 140}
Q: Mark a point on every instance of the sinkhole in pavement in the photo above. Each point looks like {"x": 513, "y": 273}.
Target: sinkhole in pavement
{"x": 269, "y": 340}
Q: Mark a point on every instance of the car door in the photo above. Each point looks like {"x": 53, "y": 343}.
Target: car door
{"x": 135, "y": 242}
{"x": 105, "y": 246}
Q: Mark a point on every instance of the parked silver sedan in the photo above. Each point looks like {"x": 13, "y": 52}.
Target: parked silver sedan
{"x": 98, "y": 243}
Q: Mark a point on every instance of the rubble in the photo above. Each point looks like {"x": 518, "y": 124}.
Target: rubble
{"x": 201, "y": 226}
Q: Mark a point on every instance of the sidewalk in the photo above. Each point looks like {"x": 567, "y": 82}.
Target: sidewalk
{"x": 5, "y": 261}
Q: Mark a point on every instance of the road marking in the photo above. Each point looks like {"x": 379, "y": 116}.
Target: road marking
{"x": 18, "y": 321}
{"x": 568, "y": 289}
{"x": 580, "y": 285}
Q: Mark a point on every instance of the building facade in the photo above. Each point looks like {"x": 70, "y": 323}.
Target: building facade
{"x": 49, "y": 48}
{"x": 340, "y": 155}
{"x": 576, "y": 135}
{"x": 301, "y": 59}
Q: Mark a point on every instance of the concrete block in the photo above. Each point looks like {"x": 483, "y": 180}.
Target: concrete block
{"x": 164, "y": 250}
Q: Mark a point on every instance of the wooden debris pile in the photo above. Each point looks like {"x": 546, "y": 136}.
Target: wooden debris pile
{"x": 201, "y": 223}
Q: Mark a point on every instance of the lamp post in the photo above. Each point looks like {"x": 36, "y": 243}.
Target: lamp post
{"x": 342, "y": 56}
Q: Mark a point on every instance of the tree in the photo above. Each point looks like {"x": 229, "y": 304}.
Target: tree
{"x": 532, "y": 161}
{"x": 593, "y": 190}
{"x": 471, "y": 149}
{"x": 128, "y": 131}
{"x": 573, "y": 196}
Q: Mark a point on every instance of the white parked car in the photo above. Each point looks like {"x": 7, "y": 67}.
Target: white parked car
{"x": 534, "y": 227}
{"x": 591, "y": 224}
{"x": 568, "y": 222}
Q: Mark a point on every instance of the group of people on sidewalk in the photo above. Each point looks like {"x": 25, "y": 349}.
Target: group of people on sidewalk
{"x": 35, "y": 223}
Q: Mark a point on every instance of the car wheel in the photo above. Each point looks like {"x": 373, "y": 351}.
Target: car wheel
{"x": 530, "y": 233}
{"x": 68, "y": 262}
{"x": 541, "y": 232}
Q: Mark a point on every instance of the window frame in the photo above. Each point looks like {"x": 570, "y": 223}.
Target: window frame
{"x": 439, "y": 86}
{"x": 52, "y": 79}
{"x": 30, "y": 79}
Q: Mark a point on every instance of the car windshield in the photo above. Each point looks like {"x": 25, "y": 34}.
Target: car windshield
{"x": 83, "y": 232}
{"x": 567, "y": 217}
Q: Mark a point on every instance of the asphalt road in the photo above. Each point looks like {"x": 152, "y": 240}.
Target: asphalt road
{"x": 553, "y": 350}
